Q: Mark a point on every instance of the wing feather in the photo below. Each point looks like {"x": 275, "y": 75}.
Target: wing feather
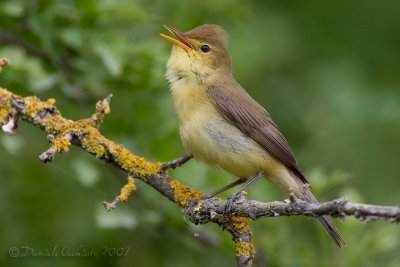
{"x": 239, "y": 108}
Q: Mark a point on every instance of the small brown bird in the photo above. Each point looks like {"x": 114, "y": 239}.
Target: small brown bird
{"x": 222, "y": 125}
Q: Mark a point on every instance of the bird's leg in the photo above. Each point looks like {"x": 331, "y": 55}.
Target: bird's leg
{"x": 234, "y": 196}
{"x": 223, "y": 189}
{"x": 191, "y": 203}
{"x": 175, "y": 163}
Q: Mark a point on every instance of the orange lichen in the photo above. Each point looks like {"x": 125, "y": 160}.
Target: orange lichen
{"x": 89, "y": 144}
{"x": 132, "y": 163}
{"x": 183, "y": 193}
{"x": 240, "y": 224}
{"x": 96, "y": 144}
{"x": 34, "y": 105}
{"x": 3, "y": 115}
{"x": 102, "y": 107}
{"x": 5, "y": 97}
{"x": 127, "y": 189}
{"x": 5, "y": 107}
{"x": 244, "y": 248}
{"x": 54, "y": 124}
{"x": 92, "y": 140}
{"x": 61, "y": 144}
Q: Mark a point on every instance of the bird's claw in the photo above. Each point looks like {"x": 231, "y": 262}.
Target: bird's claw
{"x": 187, "y": 210}
{"x": 193, "y": 205}
{"x": 228, "y": 206}
{"x": 190, "y": 204}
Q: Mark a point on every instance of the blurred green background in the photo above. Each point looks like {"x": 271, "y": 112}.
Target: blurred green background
{"x": 328, "y": 73}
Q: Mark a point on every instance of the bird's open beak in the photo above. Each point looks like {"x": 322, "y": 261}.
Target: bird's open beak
{"x": 180, "y": 41}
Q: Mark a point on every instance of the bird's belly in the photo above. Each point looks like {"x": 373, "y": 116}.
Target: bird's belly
{"x": 217, "y": 142}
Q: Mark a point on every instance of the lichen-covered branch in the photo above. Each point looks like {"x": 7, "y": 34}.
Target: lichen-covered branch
{"x": 340, "y": 207}
{"x": 84, "y": 133}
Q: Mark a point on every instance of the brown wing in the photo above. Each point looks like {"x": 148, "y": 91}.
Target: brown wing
{"x": 238, "y": 107}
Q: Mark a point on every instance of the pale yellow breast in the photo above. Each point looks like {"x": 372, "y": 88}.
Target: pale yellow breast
{"x": 212, "y": 139}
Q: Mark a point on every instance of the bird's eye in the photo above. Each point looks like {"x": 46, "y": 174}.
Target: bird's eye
{"x": 205, "y": 48}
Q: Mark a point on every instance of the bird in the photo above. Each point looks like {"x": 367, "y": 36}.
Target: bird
{"x": 222, "y": 125}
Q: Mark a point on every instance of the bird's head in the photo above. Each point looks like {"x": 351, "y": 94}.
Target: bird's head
{"x": 198, "y": 54}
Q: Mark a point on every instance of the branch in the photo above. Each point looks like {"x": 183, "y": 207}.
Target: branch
{"x": 85, "y": 134}
{"x": 340, "y": 207}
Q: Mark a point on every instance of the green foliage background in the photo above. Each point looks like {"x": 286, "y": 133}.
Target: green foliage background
{"x": 328, "y": 72}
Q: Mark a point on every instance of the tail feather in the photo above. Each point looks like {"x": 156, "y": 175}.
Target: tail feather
{"x": 332, "y": 230}
{"x": 326, "y": 221}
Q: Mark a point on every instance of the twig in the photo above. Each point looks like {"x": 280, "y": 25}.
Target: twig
{"x": 175, "y": 163}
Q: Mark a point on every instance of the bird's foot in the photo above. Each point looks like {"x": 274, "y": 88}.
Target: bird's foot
{"x": 228, "y": 212}
{"x": 190, "y": 206}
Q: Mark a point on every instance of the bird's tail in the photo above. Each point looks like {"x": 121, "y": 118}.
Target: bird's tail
{"x": 332, "y": 230}
{"x": 326, "y": 221}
